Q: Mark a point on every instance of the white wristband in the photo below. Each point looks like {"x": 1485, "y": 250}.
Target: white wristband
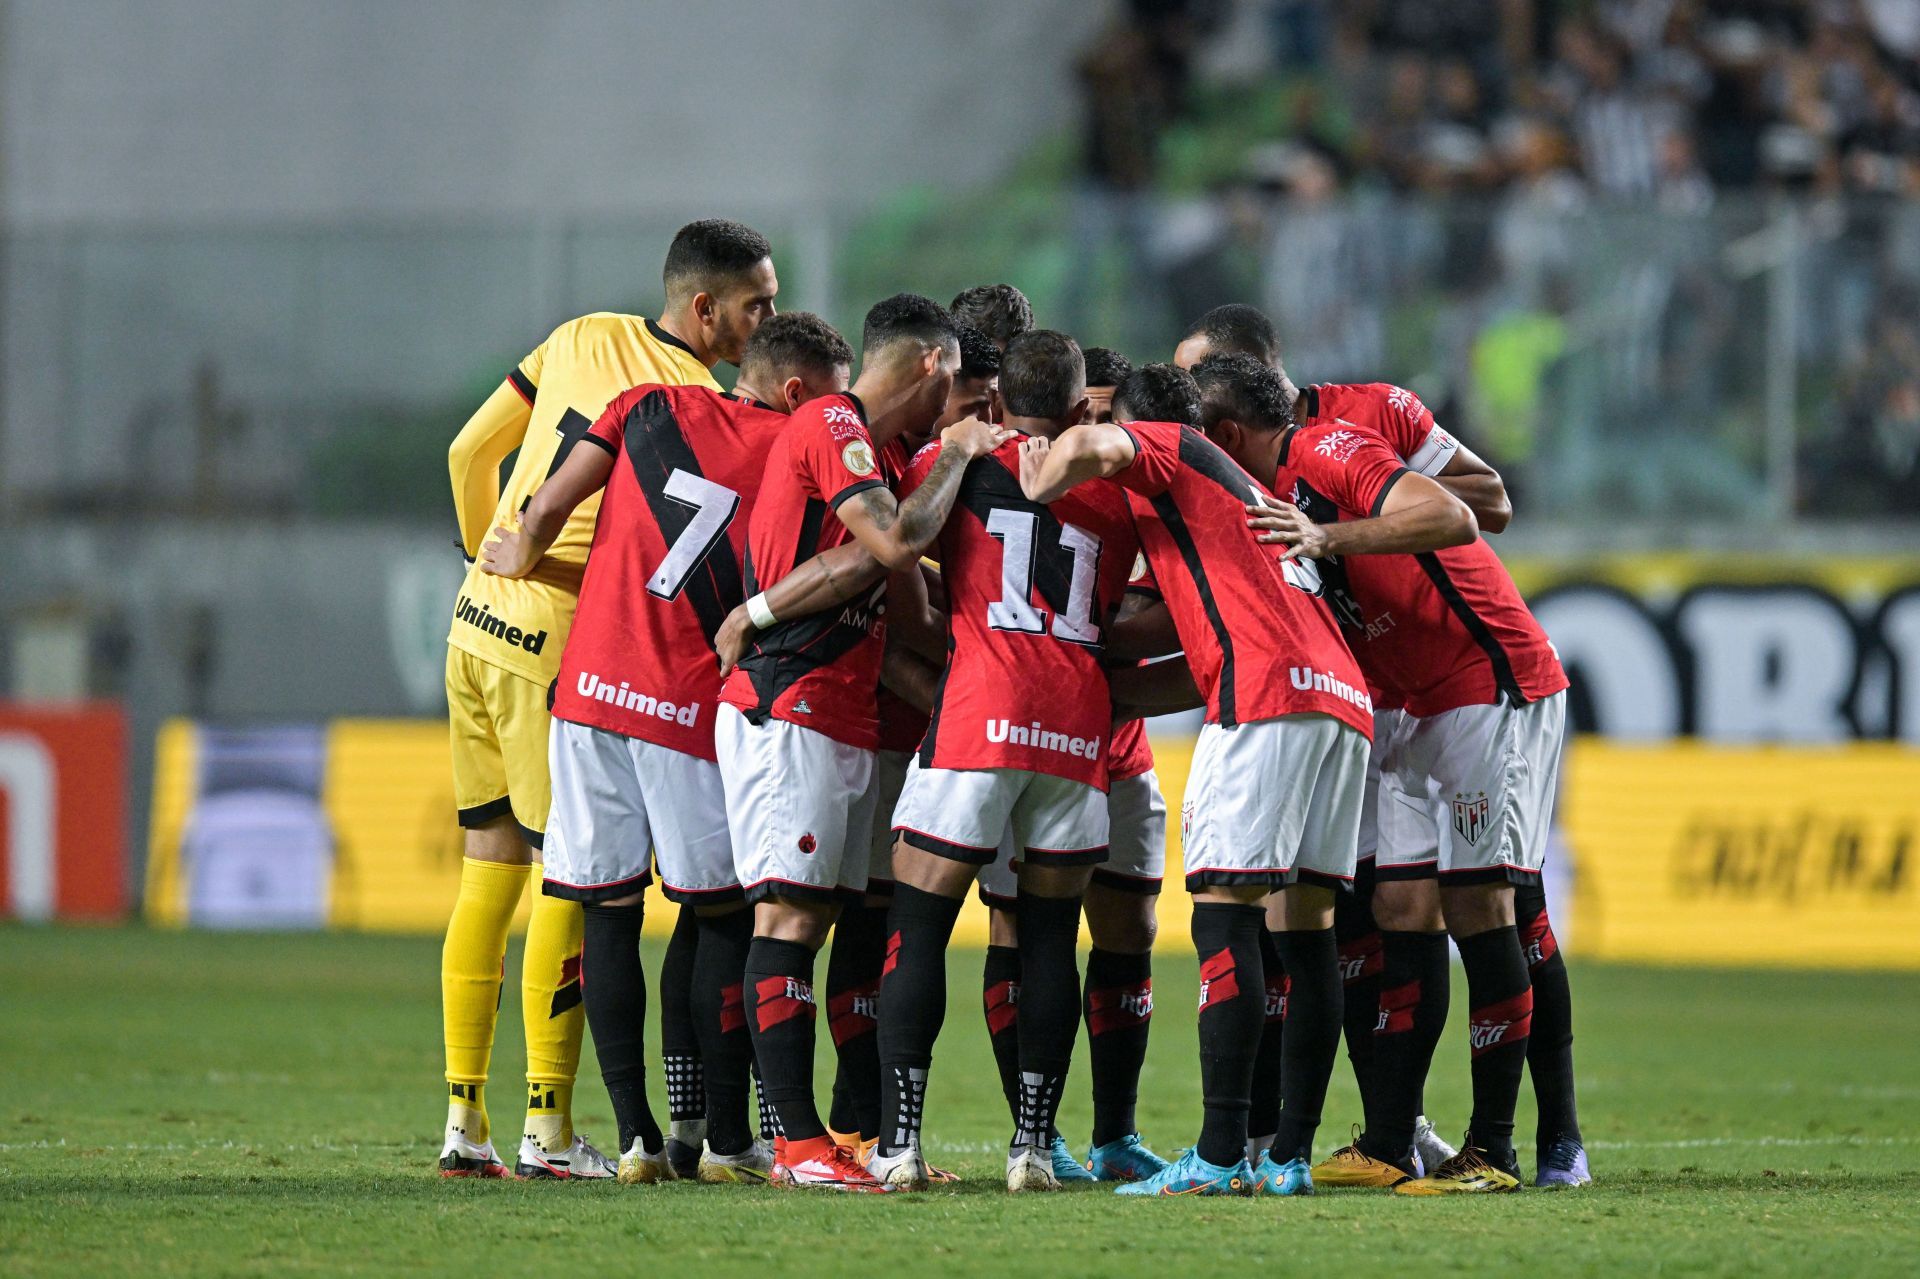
{"x": 762, "y": 615}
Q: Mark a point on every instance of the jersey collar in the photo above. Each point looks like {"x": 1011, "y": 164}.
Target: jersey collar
{"x": 858, "y": 407}
{"x": 748, "y": 399}
{"x": 665, "y": 338}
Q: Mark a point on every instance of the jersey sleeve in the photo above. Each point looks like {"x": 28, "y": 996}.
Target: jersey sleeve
{"x": 1414, "y": 435}
{"x": 473, "y": 460}
{"x": 525, "y": 376}
{"x": 1156, "y": 457}
{"x": 609, "y": 430}
{"x": 918, "y": 468}
{"x": 835, "y": 459}
{"x": 1355, "y": 470}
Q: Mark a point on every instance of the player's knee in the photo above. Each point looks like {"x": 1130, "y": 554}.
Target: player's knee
{"x": 1054, "y": 881}
{"x": 1122, "y": 922}
{"x": 1408, "y": 906}
{"x": 786, "y": 919}
{"x": 1003, "y": 928}
{"x": 930, "y": 872}
{"x": 498, "y": 840}
{"x": 631, "y": 899}
{"x": 1472, "y": 909}
{"x": 1306, "y": 907}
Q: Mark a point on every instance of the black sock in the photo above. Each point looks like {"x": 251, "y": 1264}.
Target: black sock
{"x": 1264, "y": 1117}
{"x": 1227, "y": 937}
{"x": 615, "y": 990}
{"x": 1360, "y": 967}
{"x": 762, "y": 1109}
{"x": 1550, "y": 1046}
{"x": 1412, "y": 1012}
{"x": 1050, "y": 999}
{"x": 720, "y": 1018}
{"x": 853, "y": 1002}
{"x": 780, "y": 1013}
{"x": 1498, "y": 1026}
{"x": 1000, "y": 996}
{"x": 1312, "y": 960}
{"x": 1119, "y": 1009}
{"x": 679, "y": 1037}
{"x": 913, "y": 1004}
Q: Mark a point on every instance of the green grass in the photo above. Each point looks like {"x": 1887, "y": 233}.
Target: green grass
{"x": 201, "y": 1104}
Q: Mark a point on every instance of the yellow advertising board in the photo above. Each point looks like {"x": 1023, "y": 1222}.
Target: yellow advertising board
{"x": 1682, "y": 852}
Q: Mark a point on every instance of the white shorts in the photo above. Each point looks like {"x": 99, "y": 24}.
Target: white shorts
{"x": 1274, "y": 802}
{"x": 1384, "y": 722}
{"x": 890, "y": 774}
{"x": 620, "y": 804}
{"x": 965, "y": 813}
{"x": 1136, "y": 845}
{"x": 1468, "y": 793}
{"x": 800, "y": 806}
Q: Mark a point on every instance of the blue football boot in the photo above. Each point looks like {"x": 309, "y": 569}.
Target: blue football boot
{"x": 1563, "y": 1165}
{"x": 1192, "y": 1175}
{"x": 1293, "y": 1177}
{"x": 1124, "y": 1160}
{"x": 1065, "y": 1167}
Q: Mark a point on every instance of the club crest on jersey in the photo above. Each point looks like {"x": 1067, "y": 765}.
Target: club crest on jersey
{"x": 1470, "y": 815}
{"x": 807, "y": 843}
{"x": 857, "y": 457}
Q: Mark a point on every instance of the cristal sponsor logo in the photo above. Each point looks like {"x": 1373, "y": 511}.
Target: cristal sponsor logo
{"x": 482, "y": 618}
{"x": 1485, "y": 1034}
{"x": 1306, "y": 679}
{"x": 1400, "y": 398}
{"x": 1338, "y": 445}
{"x": 840, "y": 415}
{"x": 1001, "y": 730}
{"x": 631, "y": 699}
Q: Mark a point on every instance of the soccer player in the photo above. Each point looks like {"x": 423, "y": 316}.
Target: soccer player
{"x": 1120, "y": 897}
{"x": 1000, "y": 311}
{"x": 798, "y": 726}
{"x": 503, "y": 653}
{"x": 1273, "y": 801}
{"x": 860, "y": 934}
{"x": 1467, "y": 779}
{"x": 1017, "y": 739}
{"x": 634, "y": 774}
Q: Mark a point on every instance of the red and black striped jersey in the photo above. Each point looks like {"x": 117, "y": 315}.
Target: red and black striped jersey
{"x": 1434, "y": 631}
{"x": 1031, "y": 590}
{"x": 1393, "y": 412}
{"x": 1132, "y": 754}
{"x": 820, "y": 671}
{"x": 1258, "y": 637}
{"x": 665, "y": 568}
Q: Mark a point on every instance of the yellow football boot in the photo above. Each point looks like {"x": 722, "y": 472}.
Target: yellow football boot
{"x": 1467, "y": 1173}
{"x": 1350, "y": 1166}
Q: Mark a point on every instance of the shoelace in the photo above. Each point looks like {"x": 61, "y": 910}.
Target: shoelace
{"x": 843, "y": 1162}
{"x": 1470, "y": 1160}
{"x": 1562, "y": 1153}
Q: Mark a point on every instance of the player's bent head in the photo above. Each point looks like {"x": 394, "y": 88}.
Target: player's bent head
{"x": 1240, "y": 399}
{"x": 1157, "y": 393}
{"x": 975, "y": 383}
{"x": 795, "y": 357}
{"x": 721, "y": 274}
{"x": 912, "y": 338}
{"x": 1043, "y": 378}
{"x": 1106, "y": 370}
{"x": 1235, "y": 328}
{"x": 1000, "y": 311}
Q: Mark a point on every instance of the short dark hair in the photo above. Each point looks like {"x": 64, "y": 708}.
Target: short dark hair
{"x": 1245, "y": 389}
{"x": 1106, "y": 366}
{"x": 1000, "y": 311}
{"x": 1158, "y": 393}
{"x": 710, "y": 254}
{"x": 1240, "y": 328}
{"x": 907, "y": 316}
{"x": 1042, "y": 375}
{"x": 796, "y": 340}
{"x": 979, "y": 357}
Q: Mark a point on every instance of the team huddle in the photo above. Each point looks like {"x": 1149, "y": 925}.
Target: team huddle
{"x": 846, "y": 649}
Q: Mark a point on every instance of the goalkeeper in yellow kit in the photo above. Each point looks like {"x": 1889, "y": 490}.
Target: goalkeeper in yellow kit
{"x": 503, "y": 652}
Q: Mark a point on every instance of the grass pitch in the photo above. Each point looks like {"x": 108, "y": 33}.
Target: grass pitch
{"x": 205, "y": 1104}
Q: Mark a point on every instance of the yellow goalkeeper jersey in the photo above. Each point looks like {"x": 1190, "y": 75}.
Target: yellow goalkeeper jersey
{"x": 542, "y": 409}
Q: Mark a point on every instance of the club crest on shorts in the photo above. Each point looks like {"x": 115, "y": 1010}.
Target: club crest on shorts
{"x": 1470, "y": 815}
{"x": 808, "y": 843}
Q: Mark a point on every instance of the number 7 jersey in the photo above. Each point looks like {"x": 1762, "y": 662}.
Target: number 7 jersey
{"x": 666, "y": 564}
{"x": 1031, "y": 590}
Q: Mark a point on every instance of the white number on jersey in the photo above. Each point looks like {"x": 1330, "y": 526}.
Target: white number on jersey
{"x": 713, "y": 510}
{"x": 1014, "y": 610}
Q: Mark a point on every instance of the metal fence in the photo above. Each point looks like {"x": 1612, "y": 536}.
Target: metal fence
{"x": 1745, "y": 363}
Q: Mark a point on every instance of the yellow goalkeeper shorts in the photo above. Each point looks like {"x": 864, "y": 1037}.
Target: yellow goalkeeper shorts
{"x": 498, "y": 722}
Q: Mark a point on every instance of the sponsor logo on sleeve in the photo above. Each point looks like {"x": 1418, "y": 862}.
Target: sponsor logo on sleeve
{"x": 857, "y": 456}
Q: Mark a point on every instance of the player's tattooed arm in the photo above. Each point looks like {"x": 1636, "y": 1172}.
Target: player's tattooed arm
{"x": 517, "y": 547}
{"x": 1079, "y": 453}
{"x": 826, "y": 581}
{"x": 899, "y": 533}
{"x": 1417, "y": 515}
{"x": 1477, "y": 484}
{"x": 1158, "y": 688}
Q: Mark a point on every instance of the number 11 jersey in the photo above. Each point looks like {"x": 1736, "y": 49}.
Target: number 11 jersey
{"x": 665, "y": 567}
{"x": 1031, "y": 590}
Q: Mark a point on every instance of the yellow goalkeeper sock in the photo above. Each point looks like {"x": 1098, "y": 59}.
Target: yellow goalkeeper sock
{"x": 550, "y": 1004}
{"x": 470, "y": 975}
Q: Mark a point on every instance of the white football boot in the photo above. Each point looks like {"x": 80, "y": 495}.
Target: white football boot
{"x": 642, "y": 1167}
{"x": 1030, "y": 1169}
{"x": 751, "y": 1166}
{"x": 579, "y": 1161}
{"x": 1430, "y": 1146}
{"x": 904, "y": 1171}
{"x": 462, "y": 1158}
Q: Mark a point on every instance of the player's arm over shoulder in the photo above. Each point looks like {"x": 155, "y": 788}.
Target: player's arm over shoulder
{"x": 1091, "y": 451}
{"x": 1431, "y": 450}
